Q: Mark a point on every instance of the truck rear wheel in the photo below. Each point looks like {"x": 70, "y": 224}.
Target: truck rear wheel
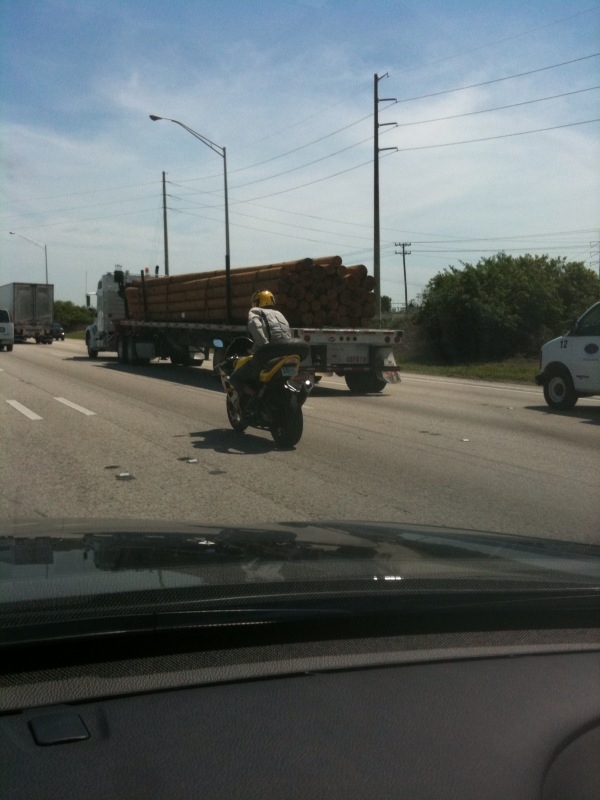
{"x": 180, "y": 356}
{"x": 364, "y": 382}
{"x": 132, "y": 356}
{"x": 122, "y": 350}
{"x": 559, "y": 392}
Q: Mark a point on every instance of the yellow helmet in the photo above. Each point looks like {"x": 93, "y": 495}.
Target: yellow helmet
{"x": 263, "y": 299}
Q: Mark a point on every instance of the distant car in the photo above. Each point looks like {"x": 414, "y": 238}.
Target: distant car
{"x": 7, "y": 330}
{"x": 58, "y": 332}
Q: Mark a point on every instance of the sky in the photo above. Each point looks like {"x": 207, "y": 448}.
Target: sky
{"x": 488, "y": 134}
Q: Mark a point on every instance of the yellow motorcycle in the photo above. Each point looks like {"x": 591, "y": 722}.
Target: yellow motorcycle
{"x": 278, "y": 394}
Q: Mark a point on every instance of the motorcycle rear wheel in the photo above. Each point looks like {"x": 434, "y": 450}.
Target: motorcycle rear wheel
{"x": 288, "y": 424}
{"x": 234, "y": 416}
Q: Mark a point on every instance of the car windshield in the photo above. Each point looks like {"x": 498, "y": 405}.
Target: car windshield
{"x": 312, "y": 265}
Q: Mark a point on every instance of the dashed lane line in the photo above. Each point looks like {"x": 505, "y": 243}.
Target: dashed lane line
{"x": 27, "y": 412}
{"x": 23, "y": 410}
{"x": 81, "y": 409}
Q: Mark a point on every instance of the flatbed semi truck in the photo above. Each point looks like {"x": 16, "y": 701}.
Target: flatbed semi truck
{"x": 363, "y": 356}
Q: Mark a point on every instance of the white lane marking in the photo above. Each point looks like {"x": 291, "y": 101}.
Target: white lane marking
{"x": 81, "y": 409}
{"x": 23, "y": 409}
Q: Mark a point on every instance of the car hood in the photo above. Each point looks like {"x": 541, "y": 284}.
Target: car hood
{"x": 70, "y": 579}
{"x": 42, "y": 559}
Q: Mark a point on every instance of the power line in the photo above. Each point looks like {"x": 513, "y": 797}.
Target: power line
{"x": 496, "y": 108}
{"x": 497, "y": 80}
{"x": 499, "y": 136}
{"x": 75, "y": 194}
{"x": 496, "y": 250}
{"x": 405, "y": 100}
{"x": 500, "y": 41}
{"x": 578, "y": 231}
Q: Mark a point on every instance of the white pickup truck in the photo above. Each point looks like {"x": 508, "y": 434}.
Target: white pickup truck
{"x": 570, "y": 364}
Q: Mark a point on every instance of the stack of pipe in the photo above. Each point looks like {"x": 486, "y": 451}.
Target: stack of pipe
{"x": 311, "y": 292}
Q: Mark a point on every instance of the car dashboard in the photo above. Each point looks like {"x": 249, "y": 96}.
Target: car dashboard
{"x": 295, "y": 711}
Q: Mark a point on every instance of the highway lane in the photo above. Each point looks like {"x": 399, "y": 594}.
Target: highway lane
{"x": 154, "y": 442}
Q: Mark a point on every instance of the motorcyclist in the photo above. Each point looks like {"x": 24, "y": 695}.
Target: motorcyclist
{"x": 266, "y": 325}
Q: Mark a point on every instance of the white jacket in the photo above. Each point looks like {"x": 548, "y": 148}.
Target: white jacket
{"x": 267, "y": 325}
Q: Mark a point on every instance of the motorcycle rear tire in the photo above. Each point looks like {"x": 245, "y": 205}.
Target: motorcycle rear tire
{"x": 234, "y": 416}
{"x": 288, "y": 424}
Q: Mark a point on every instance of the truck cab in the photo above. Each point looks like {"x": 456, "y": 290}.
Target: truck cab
{"x": 570, "y": 364}
{"x": 109, "y": 307}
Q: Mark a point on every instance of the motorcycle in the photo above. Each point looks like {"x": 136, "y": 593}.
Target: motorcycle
{"x": 281, "y": 392}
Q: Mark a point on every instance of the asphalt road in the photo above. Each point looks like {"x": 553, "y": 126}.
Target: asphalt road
{"x": 90, "y": 439}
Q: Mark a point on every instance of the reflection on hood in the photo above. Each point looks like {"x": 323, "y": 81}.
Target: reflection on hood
{"x": 287, "y": 551}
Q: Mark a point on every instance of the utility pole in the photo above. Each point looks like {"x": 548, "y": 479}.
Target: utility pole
{"x": 595, "y": 252}
{"x": 405, "y": 253}
{"x": 376, "y": 151}
{"x": 165, "y": 236}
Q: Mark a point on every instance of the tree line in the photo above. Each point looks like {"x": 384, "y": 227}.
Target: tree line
{"x": 504, "y": 306}
{"x": 71, "y": 316}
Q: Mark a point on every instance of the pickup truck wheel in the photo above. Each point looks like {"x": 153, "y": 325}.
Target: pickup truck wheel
{"x": 559, "y": 392}
{"x": 364, "y": 382}
{"x": 9, "y": 348}
{"x": 92, "y": 353}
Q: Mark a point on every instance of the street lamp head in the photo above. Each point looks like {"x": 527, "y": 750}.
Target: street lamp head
{"x": 153, "y": 117}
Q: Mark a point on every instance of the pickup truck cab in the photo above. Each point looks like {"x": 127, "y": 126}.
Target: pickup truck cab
{"x": 7, "y": 330}
{"x": 570, "y": 364}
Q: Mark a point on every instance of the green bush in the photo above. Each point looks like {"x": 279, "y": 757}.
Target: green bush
{"x": 71, "y": 316}
{"x": 504, "y": 306}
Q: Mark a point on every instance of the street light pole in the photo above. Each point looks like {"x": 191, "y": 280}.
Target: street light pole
{"x": 37, "y": 244}
{"x": 221, "y": 151}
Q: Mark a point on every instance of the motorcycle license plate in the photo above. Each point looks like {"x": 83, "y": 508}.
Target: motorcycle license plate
{"x": 288, "y": 371}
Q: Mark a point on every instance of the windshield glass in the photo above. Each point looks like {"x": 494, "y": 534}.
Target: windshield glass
{"x": 311, "y": 265}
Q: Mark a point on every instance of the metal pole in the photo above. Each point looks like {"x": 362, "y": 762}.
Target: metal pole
{"x": 404, "y": 245}
{"x": 376, "y": 234}
{"x": 165, "y": 236}
{"x": 37, "y": 244}
{"x": 227, "y": 254}
{"x": 376, "y": 226}
{"x": 221, "y": 151}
